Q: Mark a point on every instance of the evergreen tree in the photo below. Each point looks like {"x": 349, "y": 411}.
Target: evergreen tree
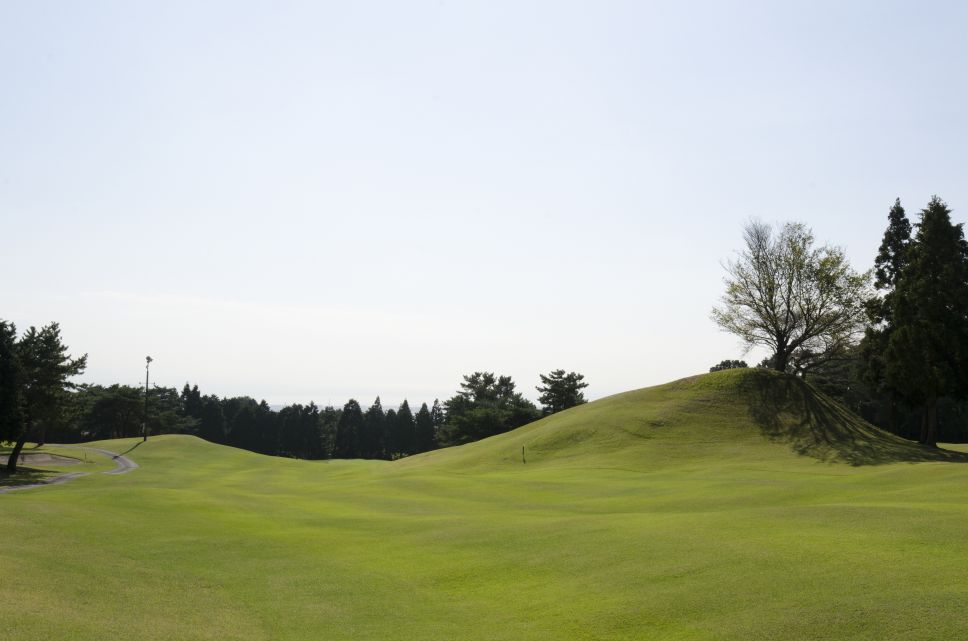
{"x": 346, "y": 444}
{"x": 373, "y": 436}
{"x": 11, "y": 418}
{"x": 728, "y": 364}
{"x": 438, "y": 416}
{"x": 486, "y": 405}
{"x": 328, "y": 419}
{"x": 404, "y": 425}
{"x": 892, "y": 255}
{"x": 559, "y": 391}
{"x": 927, "y": 350}
{"x": 889, "y": 264}
{"x": 211, "y": 425}
{"x": 191, "y": 400}
{"x": 46, "y": 368}
{"x": 392, "y": 447}
{"x": 424, "y": 432}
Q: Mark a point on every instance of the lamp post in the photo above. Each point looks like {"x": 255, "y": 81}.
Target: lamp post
{"x": 144, "y": 426}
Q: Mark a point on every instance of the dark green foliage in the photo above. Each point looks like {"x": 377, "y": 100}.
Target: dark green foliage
{"x": 892, "y": 255}
{"x": 927, "y": 351}
{"x": 251, "y": 425}
{"x": 212, "y": 420}
{"x": 728, "y": 364}
{"x": 486, "y": 405}
{"x": 374, "y": 432}
{"x": 403, "y": 427}
{"x": 109, "y": 412}
{"x": 191, "y": 400}
{"x": 425, "y": 435}
{"x": 437, "y": 415}
{"x": 346, "y": 443}
{"x": 299, "y": 431}
{"x": 11, "y": 416}
{"x": 559, "y": 391}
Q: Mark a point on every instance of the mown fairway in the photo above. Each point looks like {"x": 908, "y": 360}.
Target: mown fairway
{"x": 730, "y": 506}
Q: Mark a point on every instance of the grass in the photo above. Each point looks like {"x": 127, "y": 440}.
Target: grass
{"x": 738, "y": 505}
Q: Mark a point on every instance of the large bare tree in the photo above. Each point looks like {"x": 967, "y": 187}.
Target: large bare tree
{"x": 806, "y": 304}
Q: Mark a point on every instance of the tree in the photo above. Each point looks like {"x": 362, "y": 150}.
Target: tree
{"x": 424, "y": 431}
{"x": 889, "y": 264}
{"x": 892, "y": 254}
{"x": 191, "y": 400}
{"x": 927, "y": 350}
{"x": 211, "y": 426}
{"x": 11, "y": 416}
{"x": 728, "y": 364}
{"x": 403, "y": 426}
{"x": 346, "y": 441}
{"x": 374, "y": 431}
{"x": 486, "y": 405}
{"x": 559, "y": 391}
{"x": 805, "y": 304}
{"x": 437, "y": 415}
{"x": 46, "y": 368}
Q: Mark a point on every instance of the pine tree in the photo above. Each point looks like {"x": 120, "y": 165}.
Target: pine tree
{"x": 405, "y": 429}
{"x": 889, "y": 264}
{"x": 211, "y": 419}
{"x": 438, "y": 416}
{"x": 927, "y": 350}
{"x": 424, "y": 432}
{"x": 11, "y": 418}
{"x": 559, "y": 391}
{"x": 46, "y": 368}
{"x": 346, "y": 444}
{"x": 373, "y": 436}
{"x": 892, "y": 255}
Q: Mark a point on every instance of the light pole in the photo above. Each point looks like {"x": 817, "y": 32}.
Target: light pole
{"x": 144, "y": 426}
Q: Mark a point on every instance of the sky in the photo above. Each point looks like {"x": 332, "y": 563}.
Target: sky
{"x": 318, "y": 201}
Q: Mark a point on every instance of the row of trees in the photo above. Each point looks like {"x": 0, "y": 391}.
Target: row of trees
{"x": 37, "y": 400}
{"x": 897, "y": 352}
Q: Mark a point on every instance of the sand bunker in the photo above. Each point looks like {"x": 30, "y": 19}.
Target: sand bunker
{"x": 41, "y": 458}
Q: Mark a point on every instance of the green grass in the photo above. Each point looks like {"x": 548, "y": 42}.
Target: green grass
{"x": 738, "y": 505}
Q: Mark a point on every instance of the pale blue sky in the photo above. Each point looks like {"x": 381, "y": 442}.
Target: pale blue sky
{"x": 304, "y": 201}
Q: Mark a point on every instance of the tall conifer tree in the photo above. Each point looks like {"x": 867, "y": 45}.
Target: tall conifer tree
{"x": 424, "y": 433}
{"x": 346, "y": 442}
{"x": 927, "y": 350}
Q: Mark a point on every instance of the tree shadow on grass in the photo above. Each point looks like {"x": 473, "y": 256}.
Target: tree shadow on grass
{"x": 131, "y": 449}
{"x": 24, "y": 476}
{"x": 787, "y": 409}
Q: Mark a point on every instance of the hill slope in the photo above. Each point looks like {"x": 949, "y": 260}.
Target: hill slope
{"x": 683, "y": 511}
{"x": 741, "y": 414}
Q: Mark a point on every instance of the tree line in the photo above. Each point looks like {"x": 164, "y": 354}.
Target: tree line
{"x": 891, "y": 343}
{"x": 38, "y": 401}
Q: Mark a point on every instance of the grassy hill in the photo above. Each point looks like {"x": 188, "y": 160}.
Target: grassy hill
{"x": 736, "y": 505}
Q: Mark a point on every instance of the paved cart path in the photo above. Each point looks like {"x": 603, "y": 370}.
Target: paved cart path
{"x": 122, "y": 465}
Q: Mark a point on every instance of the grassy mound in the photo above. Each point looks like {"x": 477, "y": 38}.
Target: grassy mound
{"x": 743, "y": 414}
{"x": 716, "y": 507}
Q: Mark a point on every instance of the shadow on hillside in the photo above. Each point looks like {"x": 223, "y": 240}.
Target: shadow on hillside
{"x": 787, "y": 409}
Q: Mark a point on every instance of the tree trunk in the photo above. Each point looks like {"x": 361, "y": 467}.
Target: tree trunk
{"x": 780, "y": 360}
{"x": 931, "y": 434}
{"x": 923, "y": 436}
{"x": 15, "y": 454}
